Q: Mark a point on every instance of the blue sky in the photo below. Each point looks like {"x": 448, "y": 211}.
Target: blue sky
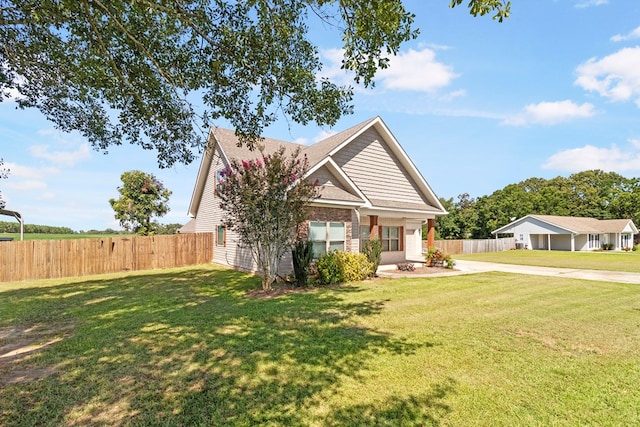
{"x": 476, "y": 104}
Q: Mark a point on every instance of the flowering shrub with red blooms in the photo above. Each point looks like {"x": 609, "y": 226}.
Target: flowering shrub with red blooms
{"x": 435, "y": 257}
{"x": 264, "y": 201}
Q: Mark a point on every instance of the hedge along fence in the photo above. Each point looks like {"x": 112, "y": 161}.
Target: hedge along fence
{"x": 48, "y": 259}
{"x": 453, "y": 247}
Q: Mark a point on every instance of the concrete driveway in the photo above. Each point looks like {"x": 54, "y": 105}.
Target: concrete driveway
{"x": 465, "y": 266}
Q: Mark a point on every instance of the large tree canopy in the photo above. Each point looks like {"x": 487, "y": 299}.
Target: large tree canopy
{"x": 142, "y": 197}
{"x": 158, "y": 72}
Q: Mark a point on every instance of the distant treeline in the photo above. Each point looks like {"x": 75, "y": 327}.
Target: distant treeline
{"x": 593, "y": 193}
{"x": 14, "y": 227}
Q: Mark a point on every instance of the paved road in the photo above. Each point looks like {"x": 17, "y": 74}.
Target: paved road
{"x": 465, "y": 266}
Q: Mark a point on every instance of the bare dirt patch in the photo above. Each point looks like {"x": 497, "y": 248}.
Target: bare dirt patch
{"x": 20, "y": 343}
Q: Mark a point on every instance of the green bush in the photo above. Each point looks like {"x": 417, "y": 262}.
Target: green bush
{"x": 302, "y": 255}
{"x": 373, "y": 251}
{"x": 338, "y": 267}
{"x": 355, "y": 266}
{"x": 329, "y": 269}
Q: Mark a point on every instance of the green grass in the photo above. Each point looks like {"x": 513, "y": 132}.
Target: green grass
{"x": 47, "y": 236}
{"x": 188, "y": 347}
{"x": 600, "y": 260}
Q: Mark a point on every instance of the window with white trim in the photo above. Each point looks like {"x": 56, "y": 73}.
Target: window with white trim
{"x": 327, "y": 236}
{"x": 594, "y": 241}
{"x": 625, "y": 241}
{"x": 390, "y": 239}
{"x": 221, "y": 237}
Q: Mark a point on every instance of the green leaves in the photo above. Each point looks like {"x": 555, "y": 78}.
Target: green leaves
{"x": 483, "y": 7}
{"x": 158, "y": 74}
{"x": 264, "y": 201}
{"x": 142, "y": 197}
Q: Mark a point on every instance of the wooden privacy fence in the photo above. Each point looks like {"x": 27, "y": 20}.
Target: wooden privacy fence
{"x": 453, "y": 247}
{"x": 47, "y": 259}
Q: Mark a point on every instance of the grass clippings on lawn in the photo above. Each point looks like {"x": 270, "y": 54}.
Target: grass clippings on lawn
{"x": 189, "y": 347}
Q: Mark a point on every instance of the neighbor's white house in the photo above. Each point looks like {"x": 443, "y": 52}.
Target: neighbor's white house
{"x": 369, "y": 188}
{"x": 567, "y": 233}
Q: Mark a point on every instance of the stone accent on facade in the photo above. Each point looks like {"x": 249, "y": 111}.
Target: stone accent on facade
{"x": 329, "y": 215}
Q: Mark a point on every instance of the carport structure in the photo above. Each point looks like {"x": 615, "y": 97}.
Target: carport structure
{"x": 568, "y": 233}
{"x": 17, "y": 216}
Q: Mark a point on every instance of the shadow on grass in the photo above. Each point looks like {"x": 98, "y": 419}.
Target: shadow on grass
{"x": 188, "y": 348}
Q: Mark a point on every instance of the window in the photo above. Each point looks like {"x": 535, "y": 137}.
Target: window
{"x": 390, "y": 239}
{"x": 219, "y": 178}
{"x": 594, "y": 241}
{"x": 365, "y": 236}
{"x": 221, "y": 236}
{"x": 326, "y": 236}
{"x": 625, "y": 240}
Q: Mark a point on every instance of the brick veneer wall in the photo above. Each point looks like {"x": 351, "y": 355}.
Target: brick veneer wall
{"x": 329, "y": 215}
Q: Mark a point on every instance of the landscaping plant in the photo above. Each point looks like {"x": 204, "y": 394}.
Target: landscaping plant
{"x": 373, "y": 251}
{"x": 302, "y": 255}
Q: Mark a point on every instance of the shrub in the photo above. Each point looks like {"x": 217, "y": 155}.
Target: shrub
{"x": 302, "y": 255}
{"x": 338, "y": 267}
{"x": 373, "y": 251}
{"x": 436, "y": 258}
{"x": 355, "y": 266}
{"x": 329, "y": 269}
{"x": 405, "y": 266}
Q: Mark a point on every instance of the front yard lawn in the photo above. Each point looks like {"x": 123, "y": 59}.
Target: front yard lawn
{"x": 188, "y": 347}
{"x": 599, "y": 260}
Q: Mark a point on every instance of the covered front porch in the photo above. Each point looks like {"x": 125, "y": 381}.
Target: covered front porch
{"x": 400, "y": 237}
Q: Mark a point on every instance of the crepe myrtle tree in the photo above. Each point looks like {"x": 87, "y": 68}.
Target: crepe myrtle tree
{"x": 159, "y": 73}
{"x": 142, "y": 197}
{"x": 264, "y": 202}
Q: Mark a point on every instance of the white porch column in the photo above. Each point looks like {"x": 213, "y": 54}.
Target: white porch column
{"x": 573, "y": 242}
{"x": 548, "y": 242}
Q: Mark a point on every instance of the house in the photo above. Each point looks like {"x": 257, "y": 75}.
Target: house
{"x": 567, "y": 233}
{"x": 369, "y": 188}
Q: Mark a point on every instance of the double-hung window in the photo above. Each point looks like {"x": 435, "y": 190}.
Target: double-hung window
{"x": 390, "y": 239}
{"x": 594, "y": 241}
{"x": 327, "y": 236}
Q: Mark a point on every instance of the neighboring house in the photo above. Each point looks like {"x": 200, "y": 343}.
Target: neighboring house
{"x": 567, "y": 233}
{"x": 369, "y": 188}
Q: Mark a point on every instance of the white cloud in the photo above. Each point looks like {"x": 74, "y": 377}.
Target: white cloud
{"x": 616, "y": 76}
{"x": 324, "y": 134}
{"x": 550, "y": 113}
{"x": 590, "y": 3}
{"x": 63, "y": 158}
{"x": 27, "y": 185}
{"x": 415, "y": 70}
{"x": 27, "y": 172}
{"x": 592, "y": 157}
{"x": 448, "y": 97}
{"x": 635, "y": 34}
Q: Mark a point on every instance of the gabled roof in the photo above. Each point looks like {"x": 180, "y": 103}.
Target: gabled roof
{"x": 577, "y": 225}
{"x": 319, "y": 156}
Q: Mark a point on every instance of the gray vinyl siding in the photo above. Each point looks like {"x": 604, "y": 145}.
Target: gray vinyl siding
{"x": 376, "y": 170}
{"x": 208, "y": 217}
{"x": 326, "y": 178}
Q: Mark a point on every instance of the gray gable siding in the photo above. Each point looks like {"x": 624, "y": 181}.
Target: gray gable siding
{"x": 209, "y": 212}
{"x": 535, "y": 226}
{"x": 376, "y": 170}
